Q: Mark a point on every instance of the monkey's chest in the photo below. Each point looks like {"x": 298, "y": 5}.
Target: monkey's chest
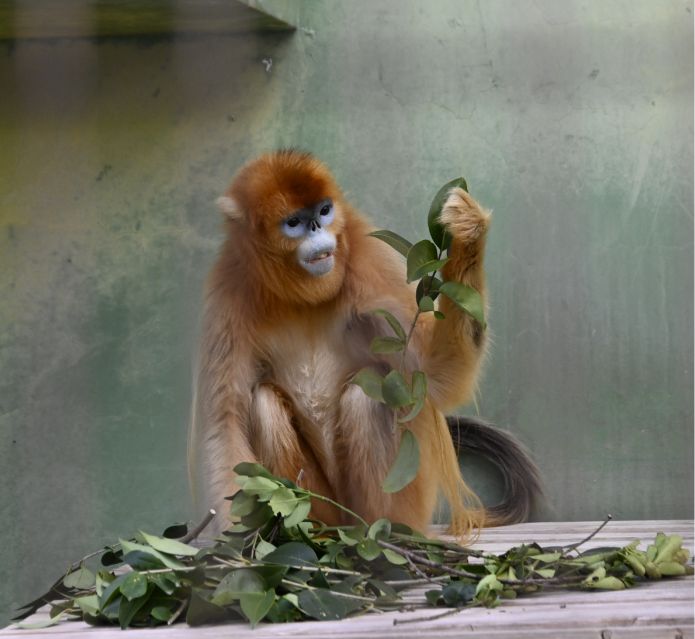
{"x": 311, "y": 370}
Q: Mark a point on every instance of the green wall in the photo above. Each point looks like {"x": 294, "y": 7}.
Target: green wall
{"x": 573, "y": 121}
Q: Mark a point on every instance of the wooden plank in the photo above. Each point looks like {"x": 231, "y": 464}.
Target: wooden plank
{"x": 653, "y": 609}
{"x": 36, "y": 19}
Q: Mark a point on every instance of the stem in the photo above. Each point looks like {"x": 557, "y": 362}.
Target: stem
{"x": 415, "y": 582}
{"x": 454, "y": 611}
{"x": 417, "y": 570}
{"x": 193, "y": 534}
{"x": 426, "y": 562}
{"x": 591, "y": 536}
{"x": 426, "y": 291}
{"x": 299, "y": 584}
{"x": 337, "y": 505}
{"x": 407, "y": 339}
{"x": 438, "y": 543}
{"x": 178, "y": 612}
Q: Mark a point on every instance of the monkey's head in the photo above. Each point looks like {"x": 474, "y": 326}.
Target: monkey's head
{"x": 287, "y": 209}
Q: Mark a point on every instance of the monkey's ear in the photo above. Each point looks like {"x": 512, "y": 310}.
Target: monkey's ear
{"x": 229, "y": 208}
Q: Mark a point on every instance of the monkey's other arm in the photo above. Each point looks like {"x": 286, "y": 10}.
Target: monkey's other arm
{"x": 457, "y": 344}
{"x": 218, "y": 436}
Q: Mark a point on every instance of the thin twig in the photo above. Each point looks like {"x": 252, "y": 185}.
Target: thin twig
{"x": 337, "y": 593}
{"x": 337, "y": 505}
{"x": 415, "y": 582}
{"x": 424, "y": 576}
{"x": 177, "y": 612}
{"x": 591, "y": 536}
{"x": 426, "y": 562}
{"x": 448, "y": 613}
{"x": 193, "y": 534}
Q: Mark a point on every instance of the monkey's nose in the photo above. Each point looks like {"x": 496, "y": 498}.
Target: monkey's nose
{"x": 314, "y": 226}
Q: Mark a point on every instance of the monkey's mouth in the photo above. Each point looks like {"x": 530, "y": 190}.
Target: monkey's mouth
{"x": 319, "y": 257}
{"x": 319, "y": 263}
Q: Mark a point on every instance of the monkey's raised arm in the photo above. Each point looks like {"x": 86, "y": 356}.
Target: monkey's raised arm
{"x": 457, "y": 345}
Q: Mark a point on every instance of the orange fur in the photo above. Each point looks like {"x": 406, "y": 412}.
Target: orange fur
{"x": 280, "y": 346}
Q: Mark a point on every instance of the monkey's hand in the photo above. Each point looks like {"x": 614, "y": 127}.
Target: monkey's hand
{"x": 463, "y": 217}
{"x": 458, "y": 342}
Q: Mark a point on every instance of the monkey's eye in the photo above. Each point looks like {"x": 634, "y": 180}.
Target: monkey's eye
{"x": 325, "y": 209}
{"x": 293, "y": 221}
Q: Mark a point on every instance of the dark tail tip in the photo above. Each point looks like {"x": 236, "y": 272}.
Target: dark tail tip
{"x": 522, "y": 479}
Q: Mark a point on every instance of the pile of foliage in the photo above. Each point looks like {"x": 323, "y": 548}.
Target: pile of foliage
{"x": 276, "y": 565}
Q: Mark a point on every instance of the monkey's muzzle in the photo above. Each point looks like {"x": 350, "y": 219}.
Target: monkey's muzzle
{"x": 319, "y": 263}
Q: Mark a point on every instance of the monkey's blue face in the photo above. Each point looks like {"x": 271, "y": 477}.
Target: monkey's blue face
{"x": 316, "y": 243}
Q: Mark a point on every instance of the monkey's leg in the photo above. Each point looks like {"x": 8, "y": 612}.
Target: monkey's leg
{"x": 458, "y": 341}
{"x": 366, "y": 445}
{"x": 281, "y": 449}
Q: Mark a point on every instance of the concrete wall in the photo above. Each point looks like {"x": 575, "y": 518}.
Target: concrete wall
{"x": 573, "y": 121}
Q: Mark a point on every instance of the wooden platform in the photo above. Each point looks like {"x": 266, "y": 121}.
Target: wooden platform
{"x": 653, "y": 610}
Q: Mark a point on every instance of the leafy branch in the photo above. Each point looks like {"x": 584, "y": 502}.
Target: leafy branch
{"x": 276, "y": 565}
{"x": 406, "y": 398}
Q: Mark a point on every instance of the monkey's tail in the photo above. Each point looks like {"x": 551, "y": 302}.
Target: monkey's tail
{"x": 522, "y": 479}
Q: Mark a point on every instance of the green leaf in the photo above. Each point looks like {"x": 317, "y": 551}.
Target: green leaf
{"x": 82, "y": 579}
{"x": 385, "y": 345}
{"x": 243, "y": 504}
{"x": 490, "y": 582}
{"x": 261, "y": 486}
{"x": 394, "y": 558}
{"x": 237, "y": 583}
{"x": 175, "y": 531}
{"x": 89, "y": 604}
{"x": 263, "y": 548}
{"x": 368, "y": 549}
{"x": 370, "y": 382}
{"x": 347, "y": 539}
{"x": 324, "y": 605}
{"x": 293, "y": 553}
{"x": 201, "y": 611}
{"x": 380, "y": 529}
{"x": 258, "y": 517}
{"x": 161, "y": 613}
{"x": 458, "y": 593}
{"x": 394, "y": 240}
{"x": 426, "y": 304}
{"x": 546, "y": 573}
{"x": 420, "y": 257}
{"x": 165, "y": 560}
{"x": 133, "y": 586}
{"x": 112, "y": 590}
{"x": 250, "y": 469}
{"x": 284, "y": 610}
{"x": 466, "y": 298}
{"x": 128, "y": 609}
{"x": 299, "y": 514}
{"x": 437, "y": 231}
{"x": 166, "y": 583}
{"x": 548, "y": 557}
{"x": 395, "y": 390}
{"x": 405, "y": 467}
{"x": 139, "y": 560}
{"x": 272, "y": 575}
{"x": 428, "y": 285}
{"x": 256, "y": 605}
{"x": 439, "y": 316}
{"x": 419, "y": 396}
{"x": 393, "y": 323}
{"x": 283, "y": 501}
{"x": 47, "y": 623}
{"x": 169, "y": 546}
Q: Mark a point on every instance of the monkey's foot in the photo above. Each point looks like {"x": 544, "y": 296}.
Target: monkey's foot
{"x": 463, "y": 216}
